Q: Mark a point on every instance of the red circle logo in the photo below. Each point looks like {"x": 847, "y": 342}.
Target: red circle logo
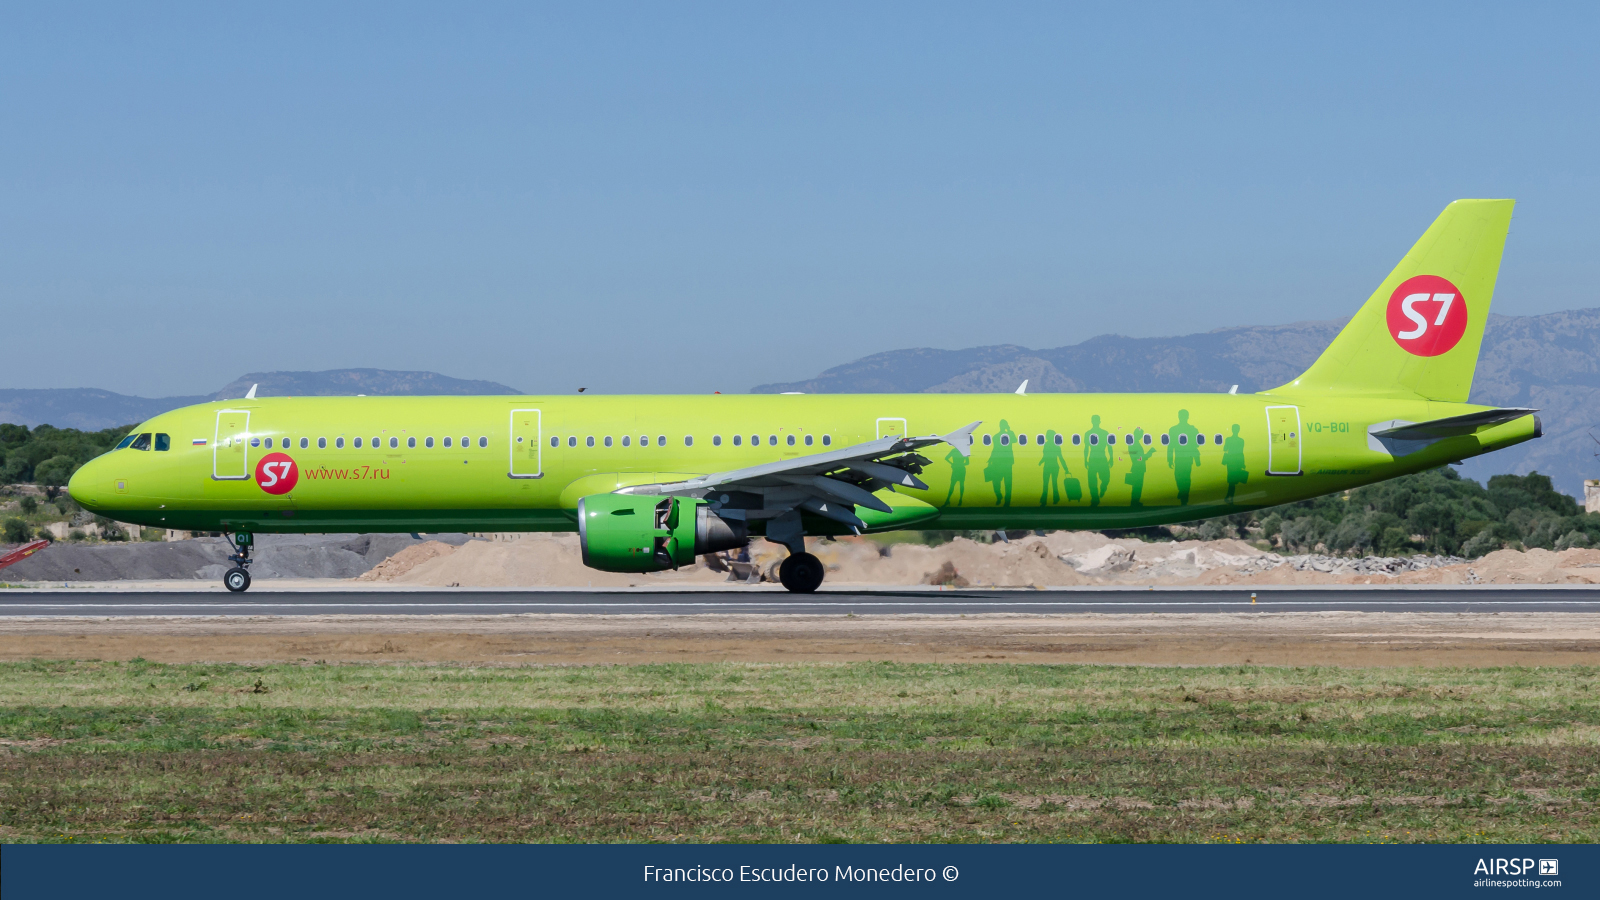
{"x": 276, "y": 473}
{"x": 1427, "y": 315}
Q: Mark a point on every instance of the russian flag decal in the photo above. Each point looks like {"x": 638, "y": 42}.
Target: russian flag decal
{"x": 199, "y": 442}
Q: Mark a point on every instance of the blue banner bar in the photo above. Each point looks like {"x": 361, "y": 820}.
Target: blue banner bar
{"x": 310, "y": 872}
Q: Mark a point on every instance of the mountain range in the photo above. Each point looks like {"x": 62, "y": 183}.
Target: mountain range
{"x": 1550, "y": 362}
{"x": 91, "y": 409}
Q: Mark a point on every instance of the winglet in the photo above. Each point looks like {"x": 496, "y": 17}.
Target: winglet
{"x": 961, "y": 438}
{"x": 1023, "y": 390}
{"x": 251, "y": 395}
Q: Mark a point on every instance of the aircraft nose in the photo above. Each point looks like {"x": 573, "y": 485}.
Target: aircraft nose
{"x": 89, "y": 485}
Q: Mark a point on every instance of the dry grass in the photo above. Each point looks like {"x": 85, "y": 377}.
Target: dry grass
{"x": 141, "y": 751}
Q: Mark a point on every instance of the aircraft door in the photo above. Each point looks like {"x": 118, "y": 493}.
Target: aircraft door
{"x": 230, "y": 446}
{"x": 527, "y": 443}
{"x": 891, "y": 428}
{"x": 1283, "y": 449}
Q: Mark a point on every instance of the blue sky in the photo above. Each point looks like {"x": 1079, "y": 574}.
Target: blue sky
{"x": 689, "y": 197}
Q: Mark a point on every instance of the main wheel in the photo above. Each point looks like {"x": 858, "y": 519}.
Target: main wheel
{"x": 801, "y": 573}
{"x": 236, "y": 579}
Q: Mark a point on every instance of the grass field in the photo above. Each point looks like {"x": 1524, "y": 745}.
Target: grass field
{"x": 862, "y": 753}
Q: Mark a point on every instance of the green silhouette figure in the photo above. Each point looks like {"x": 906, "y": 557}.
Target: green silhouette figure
{"x": 1001, "y": 460}
{"x": 958, "y": 475}
{"x": 1233, "y": 461}
{"x": 1098, "y": 457}
{"x": 1183, "y": 452}
{"x": 1140, "y": 455}
{"x": 1054, "y": 463}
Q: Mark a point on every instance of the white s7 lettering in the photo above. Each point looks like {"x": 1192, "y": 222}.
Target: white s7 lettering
{"x": 1444, "y": 306}
{"x": 1414, "y": 316}
{"x": 267, "y": 471}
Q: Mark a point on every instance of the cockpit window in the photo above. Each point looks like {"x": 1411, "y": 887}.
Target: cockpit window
{"x": 126, "y": 441}
{"x": 142, "y": 442}
{"x": 163, "y": 441}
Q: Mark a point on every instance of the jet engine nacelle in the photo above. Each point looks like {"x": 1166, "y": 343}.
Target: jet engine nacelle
{"x": 632, "y": 533}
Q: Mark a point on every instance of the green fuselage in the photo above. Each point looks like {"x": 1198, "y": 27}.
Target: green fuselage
{"x": 521, "y": 463}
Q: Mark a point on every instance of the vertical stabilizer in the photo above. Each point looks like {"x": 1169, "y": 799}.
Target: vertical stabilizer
{"x": 1419, "y": 334}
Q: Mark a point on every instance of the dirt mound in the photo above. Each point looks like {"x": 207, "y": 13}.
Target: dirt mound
{"x": 276, "y": 556}
{"x": 406, "y": 560}
{"x": 1058, "y": 559}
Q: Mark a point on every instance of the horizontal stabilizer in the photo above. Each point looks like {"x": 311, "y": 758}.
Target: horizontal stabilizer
{"x": 1400, "y": 438}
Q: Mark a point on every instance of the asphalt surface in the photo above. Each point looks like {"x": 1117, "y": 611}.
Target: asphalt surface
{"x": 266, "y": 602}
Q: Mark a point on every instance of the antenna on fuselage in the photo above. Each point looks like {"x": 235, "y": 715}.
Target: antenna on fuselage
{"x": 1022, "y": 391}
{"x": 251, "y": 394}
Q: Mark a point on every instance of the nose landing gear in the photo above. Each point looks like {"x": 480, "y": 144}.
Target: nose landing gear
{"x": 237, "y": 579}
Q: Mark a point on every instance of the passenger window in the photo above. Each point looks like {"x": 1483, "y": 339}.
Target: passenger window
{"x": 304, "y": 443}
{"x": 1022, "y": 440}
{"x": 626, "y": 439}
{"x": 1039, "y": 439}
{"x": 1183, "y": 439}
{"x": 608, "y": 440}
{"x": 446, "y": 442}
{"x": 827, "y": 439}
{"x": 791, "y": 440}
{"x": 644, "y": 440}
{"x": 755, "y": 440}
{"x": 163, "y": 441}
{"x": 988, "y": 439}
{"x": 572, "y": 441}
{"x": 716, "y": 440}
{"x": 1166, "y": 439}
{"x": 688, "y": 440}
{"x": 356, "y": 443}
{"x": 1058, "y": 440}
{"x": 376, "y": 443}
{"x": 338, "y": 442}
{"x": 126, "y": 442}
{"x": 589, "y": 441}
{"x": 554, "y": 441}
{"x": 1094, "y": 440}
{"x": 1005, "y": 439}
{"x": 808, "y": 440}
{"x": 322, "y": 443}
{"x": 1215, "y": 439}
{"x": 661, "y": 440}
{"x": 483, "y": 442}
{"x": 411, "y": 443}
{"x": 1147, "y": 440}
{"x": 255, "y": 442}
{"x": 1199, "y": 439}
{"x": 737, "y": 439}
{"x": 394, "y": 443}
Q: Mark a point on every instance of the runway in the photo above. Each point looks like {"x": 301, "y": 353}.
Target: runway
{"x": 1499, "y": 599}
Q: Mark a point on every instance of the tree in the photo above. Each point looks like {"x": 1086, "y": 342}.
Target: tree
{"x": 55, "y": 471}
{"x": 17, "y": 531}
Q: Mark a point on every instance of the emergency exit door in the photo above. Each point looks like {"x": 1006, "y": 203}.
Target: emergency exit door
{"x": 230, "y": 446}
{"x": 1283, "y": 447}
{"x": 527, "y": 437}
{"x": 891, "y": 428}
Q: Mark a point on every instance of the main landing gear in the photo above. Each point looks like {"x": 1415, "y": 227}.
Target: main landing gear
{"x": 801, "y": 572}
{"x": 237, "y": 579}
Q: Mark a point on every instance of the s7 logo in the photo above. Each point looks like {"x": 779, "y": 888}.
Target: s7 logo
{"x": 277, "y": 473}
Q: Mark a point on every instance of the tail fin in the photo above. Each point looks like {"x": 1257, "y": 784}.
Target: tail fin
{"x": 1418, "y": 335}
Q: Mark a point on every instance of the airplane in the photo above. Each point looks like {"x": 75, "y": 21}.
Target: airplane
{"x": 650, "y": 483}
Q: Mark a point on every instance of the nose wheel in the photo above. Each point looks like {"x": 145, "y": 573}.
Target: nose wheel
{"x": 237, "y": 579}
{"x": 801, "y": 573}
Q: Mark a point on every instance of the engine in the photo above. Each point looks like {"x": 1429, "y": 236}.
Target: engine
{"x": 631, "y": 533}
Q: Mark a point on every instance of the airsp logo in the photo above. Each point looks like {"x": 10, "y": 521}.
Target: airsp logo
{"x": 1427, "y": 315}
{"x": 276, "y": 473}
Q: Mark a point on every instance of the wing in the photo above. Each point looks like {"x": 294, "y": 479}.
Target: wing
{"x": 829, "y": 484}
